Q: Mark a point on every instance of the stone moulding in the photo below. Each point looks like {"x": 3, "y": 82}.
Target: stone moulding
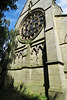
{"x": 25, "y": 67}
{"x": 25, "y": 37}
{"x": 31, "y": 40}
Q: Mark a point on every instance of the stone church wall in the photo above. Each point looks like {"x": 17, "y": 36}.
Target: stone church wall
{"x": 33, "y": 79}
{"x": 61, "y": 21}
{"x": 40, "y": 63}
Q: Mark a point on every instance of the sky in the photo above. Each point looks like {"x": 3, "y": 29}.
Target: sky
{"x": 14, "y": 15}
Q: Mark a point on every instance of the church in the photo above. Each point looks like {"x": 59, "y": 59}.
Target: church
{"x": 41, "y": 55}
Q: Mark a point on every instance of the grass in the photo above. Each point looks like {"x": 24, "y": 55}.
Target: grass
{"x": 14, "y": 94}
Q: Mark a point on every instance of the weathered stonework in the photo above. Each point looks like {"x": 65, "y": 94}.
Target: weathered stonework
{"x": 41, "y": 61}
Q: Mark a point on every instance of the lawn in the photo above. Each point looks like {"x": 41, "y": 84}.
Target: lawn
{"x": 14, "y": 94}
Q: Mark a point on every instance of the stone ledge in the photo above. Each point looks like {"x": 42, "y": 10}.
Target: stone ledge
{"x": 55, "y": 62}
{"x": 55, "y": 94}
{"x": 63, "y": 15}
{"x": 25, "y": 67}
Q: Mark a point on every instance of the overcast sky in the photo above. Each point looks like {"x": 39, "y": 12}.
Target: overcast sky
{"x": 14, "y": 15}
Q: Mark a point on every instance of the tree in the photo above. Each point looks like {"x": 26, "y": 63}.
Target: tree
{"x": 6, "y": 5}
{"x": 5, "y": 36}
{"x": 7, "y": 51}
{"x": 12, "y": 44}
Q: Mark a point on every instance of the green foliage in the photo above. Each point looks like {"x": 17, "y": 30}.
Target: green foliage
{"x": 14, "y": 94}
{"x": 7, "y": 47}
{"x": 5, "y": 36}
{"x": 7, "y": 52}
{"x": 6, "y": 5}
{"x": 13, "y": 43}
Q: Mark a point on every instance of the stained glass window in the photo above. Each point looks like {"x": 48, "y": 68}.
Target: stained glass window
{"x": 32, "y": 25}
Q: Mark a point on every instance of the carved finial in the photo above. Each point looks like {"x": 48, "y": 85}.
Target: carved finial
{"x": 54, "y": 1}
{"x": 30, "y": 5}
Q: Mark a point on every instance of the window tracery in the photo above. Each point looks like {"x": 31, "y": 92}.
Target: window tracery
{"x": 32, "y": 25}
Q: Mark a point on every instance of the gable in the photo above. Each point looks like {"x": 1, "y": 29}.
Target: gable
{"x": 45, "y": 4}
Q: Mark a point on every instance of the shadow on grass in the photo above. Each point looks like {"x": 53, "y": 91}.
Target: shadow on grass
{"x": 12, "y": 93}
{"x": 9, "y": 92}
{"x": 54, "y": 97}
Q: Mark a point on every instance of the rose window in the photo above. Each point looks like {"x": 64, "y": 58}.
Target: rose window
{"x": 32, "y": 25}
